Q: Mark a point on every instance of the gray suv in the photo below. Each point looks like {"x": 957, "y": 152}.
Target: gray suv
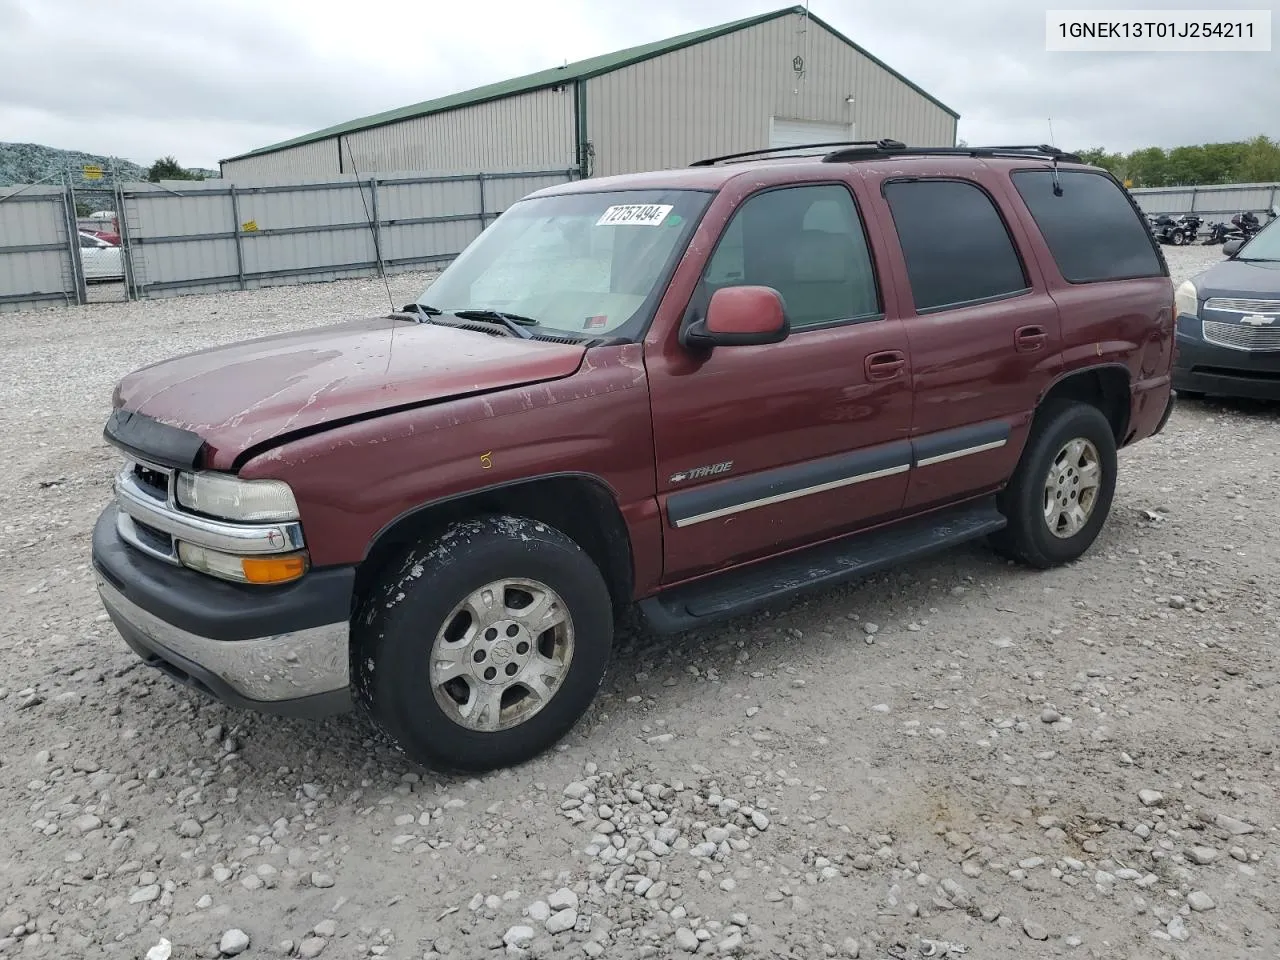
{"x": 1229, "y": 323}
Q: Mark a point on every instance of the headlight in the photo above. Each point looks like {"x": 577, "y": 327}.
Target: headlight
{"x": 230, "y": 498}
{"x": 1185, "y": 301}
{"x": 281, "y": 568}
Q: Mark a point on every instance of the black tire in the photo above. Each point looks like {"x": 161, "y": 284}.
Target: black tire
{"x": 1178, "y": 238}
{"x": 414, "y": 602}
{"x": 1028, "y": 538}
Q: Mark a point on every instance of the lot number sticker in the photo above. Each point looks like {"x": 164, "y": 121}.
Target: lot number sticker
{"x": 635, "y": 215}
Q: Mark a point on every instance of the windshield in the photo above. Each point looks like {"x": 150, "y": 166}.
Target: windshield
{"x": 586, "y": 264}
{"x": 1264, "y": 246}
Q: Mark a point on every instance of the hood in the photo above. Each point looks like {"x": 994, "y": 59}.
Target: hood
{"x": 1235, "y": 278}
{"x": 241, "y": 395}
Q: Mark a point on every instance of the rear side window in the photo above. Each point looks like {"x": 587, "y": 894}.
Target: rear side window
{"x": 1092, "y": 230}
{"x": 956, "y": 245}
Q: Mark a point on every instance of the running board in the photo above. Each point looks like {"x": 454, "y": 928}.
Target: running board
{"x": 762, "y": 584}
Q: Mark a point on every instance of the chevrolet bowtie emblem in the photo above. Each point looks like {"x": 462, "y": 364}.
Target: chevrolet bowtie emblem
{"x": 1257, "y": 320}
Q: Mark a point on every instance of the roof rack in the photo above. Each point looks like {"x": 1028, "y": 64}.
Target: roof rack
{"x": 816, "y": 148}
{"x": 1038, "y": 152}
{"x": 851, "y": 150}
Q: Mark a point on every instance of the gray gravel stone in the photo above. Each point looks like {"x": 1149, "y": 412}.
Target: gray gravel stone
{"x": 539, "y": 911}
{"x": 561, "y": 921}
{"x": 312, "y": 947}
{"x": 686, "y": 940}
{"x": 146, "y": 894}
{"x": 1034, "y": 930}
{"x": 519, "y": 936}
{"x": 563, "y": 899}
{"x": 1200, "y": 901}
{"x": 233, "y": 943}
{"x": 1237, "y": 828}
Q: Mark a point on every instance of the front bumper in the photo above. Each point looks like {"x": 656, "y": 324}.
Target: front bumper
{"x": 1201, "y": 367}
{"x": 273, "y": 649}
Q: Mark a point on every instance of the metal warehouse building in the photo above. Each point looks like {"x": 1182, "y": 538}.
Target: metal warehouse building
{"x": 775, "y": 79}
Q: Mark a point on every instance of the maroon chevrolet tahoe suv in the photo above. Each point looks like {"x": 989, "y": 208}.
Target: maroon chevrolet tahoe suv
{"x": 694, "y": 391}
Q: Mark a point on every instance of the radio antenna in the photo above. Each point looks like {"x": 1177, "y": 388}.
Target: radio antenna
{"x": 373, "y": 230}
{"x": 377, "y": 250}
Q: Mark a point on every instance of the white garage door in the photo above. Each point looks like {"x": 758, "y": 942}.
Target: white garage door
{"x": 795, "y": 133}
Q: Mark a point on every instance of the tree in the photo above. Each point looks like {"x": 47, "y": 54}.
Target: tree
{"x": 1254, "y": 161}
{"x": 1114, "y": 163}
{"x": 1260, "y": 162}
{"x": 167, "y": 168}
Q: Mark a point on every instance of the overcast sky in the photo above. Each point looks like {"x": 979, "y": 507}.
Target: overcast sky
{"x": 207, "y": 80}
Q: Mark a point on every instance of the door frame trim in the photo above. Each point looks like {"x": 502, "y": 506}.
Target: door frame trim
{"x": 933, "y": 448}
{"x": 725, "y": 498}
{"x": 791, "y": 482}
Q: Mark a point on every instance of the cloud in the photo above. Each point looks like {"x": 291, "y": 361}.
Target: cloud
{"x": 145, "y": 78}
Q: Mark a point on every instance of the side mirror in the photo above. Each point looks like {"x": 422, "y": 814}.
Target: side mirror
{"x": 1232, "y": 247}
{"x": 739, "y": 317}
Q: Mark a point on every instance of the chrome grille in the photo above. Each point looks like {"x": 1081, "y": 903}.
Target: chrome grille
{"x": 154, "y": 481}
{"x": 1238, "y": 336}
{"x": 1235, "y": 305}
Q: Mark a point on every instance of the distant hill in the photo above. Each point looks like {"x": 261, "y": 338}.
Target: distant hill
{"x": 32, "y": 162}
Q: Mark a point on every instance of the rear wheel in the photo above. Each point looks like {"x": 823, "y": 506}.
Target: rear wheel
{"x": 1061, "y": 493}
{"x": 1178, "y": 238}
{"x": 484, "y": 648}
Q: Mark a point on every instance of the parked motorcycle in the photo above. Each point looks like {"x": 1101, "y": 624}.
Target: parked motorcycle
{"x": 1217, "y": 233}
{"x": 1175, "y": 232}
{"x": 1246, "y": 223}
{"x": 1190, "y": 226}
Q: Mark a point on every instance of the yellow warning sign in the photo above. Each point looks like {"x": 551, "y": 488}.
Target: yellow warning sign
{"x": 249, "y": 226}
{"x": 92, "y": 171}
{"x": 1128, "y": 183}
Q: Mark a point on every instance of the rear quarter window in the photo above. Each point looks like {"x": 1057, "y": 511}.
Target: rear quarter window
{"x": 956, "y": 245}
{"x": 1092, "y": 230}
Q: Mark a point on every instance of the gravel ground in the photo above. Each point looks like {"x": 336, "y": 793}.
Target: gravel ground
{"x": 1080, "y": 762}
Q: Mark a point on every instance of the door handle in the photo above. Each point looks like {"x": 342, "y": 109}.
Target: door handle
{"x": 886, "y": 365}
{"x": 1030, "y": 339}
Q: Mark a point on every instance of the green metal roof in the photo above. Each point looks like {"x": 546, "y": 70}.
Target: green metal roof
{"x": 582, "y": 70}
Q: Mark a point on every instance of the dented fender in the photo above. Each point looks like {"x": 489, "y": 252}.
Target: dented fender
{"x": 353, "y": 481}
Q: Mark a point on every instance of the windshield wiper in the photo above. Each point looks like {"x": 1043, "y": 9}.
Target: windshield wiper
{"x": 512, "y": 321}
{"x": 422, "y": 310}
{"x": 1258, "y": 259}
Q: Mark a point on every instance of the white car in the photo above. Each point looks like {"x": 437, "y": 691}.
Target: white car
{"x": 101, "y": 260}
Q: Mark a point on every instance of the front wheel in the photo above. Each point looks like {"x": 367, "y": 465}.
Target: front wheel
{"x": 1061, "y": 492}
{"x": 1178, "y": 238}
{"x": 484, "y": 648}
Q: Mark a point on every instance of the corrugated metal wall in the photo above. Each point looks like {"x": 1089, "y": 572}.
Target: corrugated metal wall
{"x": 205, "y": 237}
{"x": 1219, "y": 200}
{"x": 38, "y": 262}
{"x": 319, "y": 159}
{"x": 532, "y": 131}
{"x": 719, "y": 97}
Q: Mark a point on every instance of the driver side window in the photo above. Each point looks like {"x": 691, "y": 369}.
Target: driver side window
{"x": 808, "y": 244}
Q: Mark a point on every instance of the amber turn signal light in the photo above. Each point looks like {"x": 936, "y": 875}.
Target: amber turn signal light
{"x": 274, "y": 569}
